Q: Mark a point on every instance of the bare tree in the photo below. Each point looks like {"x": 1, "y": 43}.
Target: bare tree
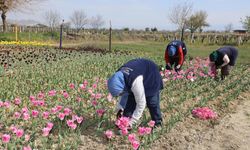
{"x": 52, "y": 19}
{"x": 96, "y": 22}
{"x": 11, "y": 5}
{"x": 229, "y": 27}
{"x": 79, "y": 19}
{"x": 246, "y": 23}
{"x": 179, "y": 14}
{"x": 196, "y": 22}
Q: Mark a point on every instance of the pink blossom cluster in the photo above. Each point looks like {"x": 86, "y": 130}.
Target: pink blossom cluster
{"x": 123, "y": 124}
{"x": 26, "y": 112}
{"x": 204, "y": 113}
{"x": 198, "y": 68}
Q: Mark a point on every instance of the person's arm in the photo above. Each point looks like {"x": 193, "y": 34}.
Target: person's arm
{"x": 181, "y": 56}
{"x": 166, "y": 57}
{"x": 226, "y": 60}
{"x": 140, "y": 99}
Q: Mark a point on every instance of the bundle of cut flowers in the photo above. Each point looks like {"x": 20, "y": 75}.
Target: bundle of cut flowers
{"x": 204, "y": 113}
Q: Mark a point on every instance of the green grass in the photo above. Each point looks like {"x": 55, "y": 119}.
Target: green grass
{"x": 158, "y": 49}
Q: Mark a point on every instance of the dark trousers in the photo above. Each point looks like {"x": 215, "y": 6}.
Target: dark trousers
{"x": 225, "y": 71}
{"x": 153, "y": 104}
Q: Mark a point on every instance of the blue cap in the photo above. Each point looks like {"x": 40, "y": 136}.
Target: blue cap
{"x": 171, "y": 50}
{"x": 116, "y": 84}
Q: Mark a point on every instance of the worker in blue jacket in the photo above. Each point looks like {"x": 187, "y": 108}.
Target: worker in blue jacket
{"x": 224, "y": 58}
{"x": 138, "y": 82}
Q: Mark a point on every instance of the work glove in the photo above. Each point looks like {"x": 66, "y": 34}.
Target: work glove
{"x": 119, "y": 114}
{"x": 177, "y": 68}
{"x": 133, "y": 122}
{"x": 168, "y": 67}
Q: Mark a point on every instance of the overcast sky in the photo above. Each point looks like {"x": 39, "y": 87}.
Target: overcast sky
{"x": 139, "y": 14}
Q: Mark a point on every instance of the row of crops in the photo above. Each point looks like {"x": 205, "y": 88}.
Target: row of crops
{"x": 61, "y": 96}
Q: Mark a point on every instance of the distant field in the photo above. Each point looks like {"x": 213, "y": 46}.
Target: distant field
{"x": 158, "y": 48}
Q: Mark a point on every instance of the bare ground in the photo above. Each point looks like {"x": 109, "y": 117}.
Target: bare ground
{"x": 230, "y": 132}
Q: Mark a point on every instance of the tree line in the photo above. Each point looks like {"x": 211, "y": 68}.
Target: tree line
{"x": 181, "y": 15}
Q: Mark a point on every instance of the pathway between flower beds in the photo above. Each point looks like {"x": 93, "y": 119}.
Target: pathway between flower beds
{"x": 232, "y": 132}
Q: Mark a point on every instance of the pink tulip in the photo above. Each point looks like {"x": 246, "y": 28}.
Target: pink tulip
{"x": 13, "y": 128}
{"x": 79, "y": 120}
{"x": 50, "y": 125}
{"x": 67, "y": 111}
{"x": 46, "y": 131}
{"x": 122, "y": 122}
{"x": 45, "y": 115}
{"x": 151, "y": 123}
{"x": 27, "y": 137}
{"x": 142, "y": 131}
{"x": 98, "y": 96}
{"x": 32, "y": 98}
{"x": 40, "y": 95}
{"x": 71, "y": 124}
{"x": 52, "y": 93}
{"x": 59, "y": 107}
{"x": 148, "y": 130}
{"x": 94, "y": 103}
{"x": 26, "y": 116}
{"x": 25, "y": 110}
{"x": 35, "y": 113}
{"x": 27, "y": 148}
{"x": 100, "y": 112}
{"x": 131, "y": 137}
{"x": 65, "y": 95}
{"x": 94, "y": 86}
{"x": 6, "y": 104}
{"x": 17, "y": 101}
{"x": 82, "y": 86}
{"x": 61, "y": 116}
{"x": 108, "y": 134}
{"x": 124, "y": 131}
{"x": 6, "y": 138}
{"x": 19, "y": 133}
{"x": 53, "y": 110}
{"x": 17, "y": 115}
{"x": 72, "y": 86}
{"x": 85, "y": 82}
{"x": 135, "y": 145}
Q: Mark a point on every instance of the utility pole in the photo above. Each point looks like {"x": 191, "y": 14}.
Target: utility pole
{"x": 110, "y": 35}
{"x": 61, "y": 30}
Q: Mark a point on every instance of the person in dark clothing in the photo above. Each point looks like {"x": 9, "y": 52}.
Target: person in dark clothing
{"x": 175, "y": 54}
{"x": 138, "y": 82}
{"x": 224, "y": 58}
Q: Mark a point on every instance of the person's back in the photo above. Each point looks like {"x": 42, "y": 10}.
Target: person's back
{"x": 149, "y": 70}
{"x": 178, "y": 43}
{"x": 231, "y": 52}
{"x": 224, "y": 58}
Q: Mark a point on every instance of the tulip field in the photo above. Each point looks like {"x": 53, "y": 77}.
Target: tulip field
{"x": 58, "y": 99}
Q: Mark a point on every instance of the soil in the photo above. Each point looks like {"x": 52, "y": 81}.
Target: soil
{"x": 229, "y": 132}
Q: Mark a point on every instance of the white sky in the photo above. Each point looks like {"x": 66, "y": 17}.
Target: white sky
{"x": 139, "y": 14}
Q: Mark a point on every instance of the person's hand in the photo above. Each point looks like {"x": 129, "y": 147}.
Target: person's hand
{"x": 119, "y": 114}
{"x": 168, "y": 67}
{"x": 178, "y": 67}
{"x": 218, "y": 67}
{"x": 133, "y": 122}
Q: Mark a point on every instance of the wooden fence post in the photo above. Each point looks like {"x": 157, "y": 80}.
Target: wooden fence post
{"x": 110, "y": 36}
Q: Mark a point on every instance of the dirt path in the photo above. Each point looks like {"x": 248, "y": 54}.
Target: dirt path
{"x": 231, "y": 132}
